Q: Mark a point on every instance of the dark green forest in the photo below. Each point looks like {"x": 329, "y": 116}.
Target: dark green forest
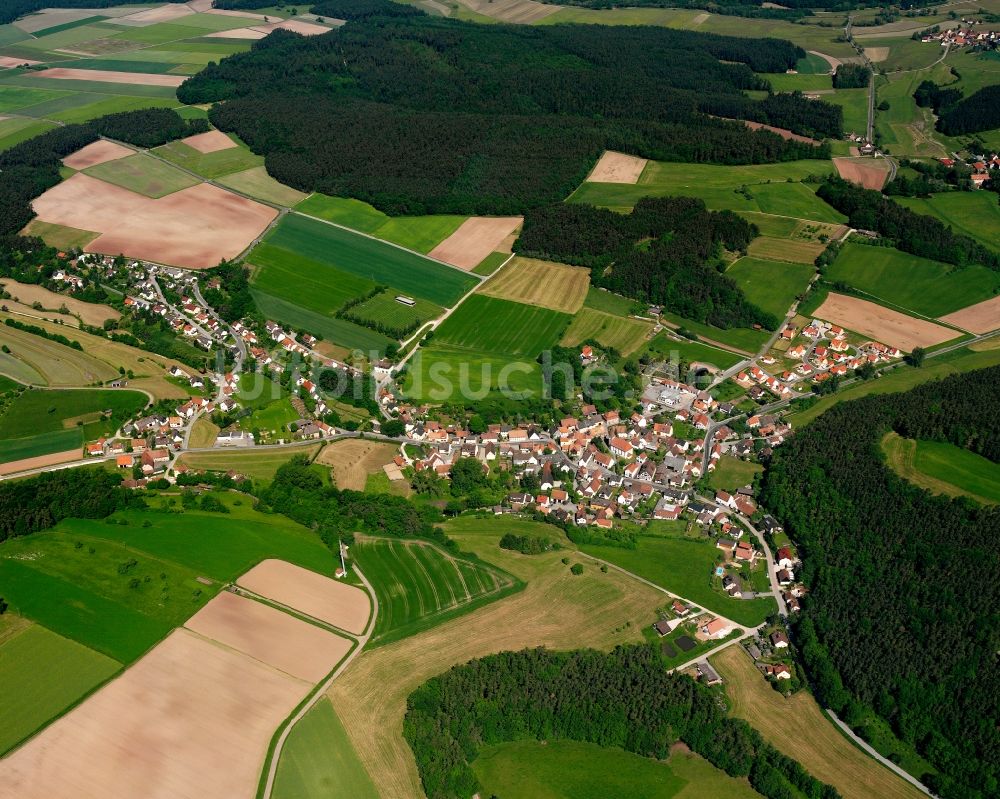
{"x": 851, "y": 76}
{"x": 910, "y": 232}
{"x": 623, "y": 698}
{"x": 972, "y": 114}
{"x": 901, "y": 616}
{"x": 664, "y": 252}
{"x": 430, "y": 115}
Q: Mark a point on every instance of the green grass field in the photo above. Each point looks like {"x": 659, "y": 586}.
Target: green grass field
{"x": 16, "y": 130}
{"x": 854, "y": 103}
{"x": 143, "y": 174}
{"x": 608, "y": 302}
{"x": 371, "y": 259}
{"x": 260, "y": 466}
{"x": 257, "y": 183}
{"x": 625, "y": 335}
{"x": 383, "y": 309}
{"x": 688, "y": 351}
{"x": 802, "y": 82}
{"x": 928, "y": 287}
{"x": 210, "y": 165}
{"x": 439, "y": 373}
{"x": 974, "y": 213}
{"x": 492, "y": 325}
{"x": 740, "y": 338}
{"x": 576, "y": 770}
{"x": 14, "y": 98}
{"x": 16, "y": 449}
{"x": 768, "y": 186}
{"x": 420, "y": 585}
{"x": 732, "y": 473}
{"x": 771, "y": 285}
{"x": 684, "y": 566}
{"x": 319, "y": 760}
{"x": 42, "y": 674}
{"x": 491, "y": 263}
{"x": 313, "y": 284}
{"x": 943, "y": 468}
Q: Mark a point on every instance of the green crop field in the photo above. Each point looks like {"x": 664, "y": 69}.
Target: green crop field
{"x": 603, "y": 300}
{"x": 491, "y": 263}
{"x": 420, "y": 585}
{"x": 974, "y": 213}
{"x": 854, "y": 103}
{"x": 16, "y": 130}
{"x": 439, "y": 373}
{"x": 14, "y": 98}
{"x": 383, "y": 308}
{"x": 665, "y": 348}
{"x": 685, "y": 566}
{"x": 371, "y": 259}
{"x": 345, "y": 211}
{"x": 767, "y": 184}
{"x": 927, "y": 287}
{"x": 576, "y": 770}
{"x": 492, "y": 325}
{"x": 43, "y": 411}
{"x": 16, "y": 449}
{"x": 41, "y": 674}
{"x": 143, "y": 174}
{"x": 801, "y": 82}
{"x": 210, "y": 165}
{"x": 319, "y": 760}
{"x": 943, "y": 468}
{"x": 771, "y": 285}
{"x": 257, "y": 183}
{"x": 313, "y": 284}
{"x": 812, "y": 64}
{"x": 624, "y": 334}
{"x": 732, "y": 473}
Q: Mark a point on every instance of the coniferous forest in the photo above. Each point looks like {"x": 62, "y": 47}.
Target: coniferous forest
{"x": 430, "y": 115}
{"x": 900, "y": 618}
{"x": 623, "y": 698}
{"x": 661, "y": 253}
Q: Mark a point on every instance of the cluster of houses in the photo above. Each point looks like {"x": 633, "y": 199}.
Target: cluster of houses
{"x": 984, "y": 168}
{"x": 964, "y": 36}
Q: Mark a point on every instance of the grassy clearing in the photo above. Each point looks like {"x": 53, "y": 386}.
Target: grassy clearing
{"x": 42, "y": 674}
{"x": 256, "y": 183}
{"x": 625, "y": 335}
{"x": 927, "y": 287}
{"x": 258, "y": 465}
{"x": 799, "y": 728}
{"x": 491, "y": 325}
{"x": 903, "y": 379}
{"x": 576, "y": 770}
{"x": 974, "y": 213}
{"x": 686, "y": 567}
{"x": 318, "y": 760}
{"x": 771, "y": 285}
{"x": 556, "y": 609}
{"x": 419, "y": 585}
{"x": 689, "y": 351}
{"x": 732, "y": 473}
{"x": 542, "y": 283}
{"x": 143, "y": 174}
{"x": 371, "y": 259}
{"x": 943, "y": 468}
{"x": 211, "y": 165}
{"x": 383, "y": 309}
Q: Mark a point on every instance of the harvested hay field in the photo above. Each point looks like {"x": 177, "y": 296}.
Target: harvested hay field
{"x": 253, "y": 462}
{"x": 521, "y": 12}
{"x": 339, "y": 604}
{"x": 109, "y": 76}
{"x": 210, "y": 142}
{"x": 248, "y": 34}
{"x": 881, "y": 323}
{"x": 91, "y": 313}
{"x": 784, "y": 133}
{"x": 799, "y": 728}
{"x": 979, "y": 318}
{"x": 353, "y": 459}
{"x": 40, "y": 461}
{"x": 151, "y": 16}
{"x": 271, "y": 636}
{"x": 556, "y": 609}
{"x": 58, "y": 365}
{"x": 617, "y": 168}
{"x": 99, "y": 152}
{"x": 161, "y": 730}
{"x": 196, "y": 227}
{"x": 866, "y": 172}
{"x": 775, "y": 249}
{"x": 475, "y": 238}
{"x": 625, "y": 335}
{"x": 877, "y": 54}
{"x": 540, "y": 283}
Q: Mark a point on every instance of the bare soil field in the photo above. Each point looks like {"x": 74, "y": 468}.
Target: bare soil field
{"x": 979, "y": 318}
{"x": 195, "y": 227}
{"x": 210, "y": 142}
{"x": 109, "y": 76}
{"x": 151, "y": 16}
{"x": 203, "y": 7}
{"x": 90, "y": 313}
{"x": 516, "y": 11}
{"x": 53, "y": 458}
{"x": 865, "y": 172}
{"x": 799, "y": 728}
{"x": 353, "y": 459}
{"x": 475, "y": 238}
{"x": 833, "y": 62}
{"x": 238, "y": 33}
{"x": 100, "y": 152}
{"x": 556, "y": 609}
{"x": 617, "y": 168}
{"x": 6, "y": 62}
{"x": 785, "y": 134}
{"x": 222, "y": 12}
{"x": 877, "y": 54}
{"x": 882, "y": 324}
{"x": 549, "y": 285}
{"x": 344, "y": 606}
{"x": 293, "y": 646}
{"x": 162, "y": 729}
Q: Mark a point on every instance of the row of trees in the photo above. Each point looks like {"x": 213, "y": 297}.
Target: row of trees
{"x": 664, "y": 252}
{"x": 910, "y": 232}
{"x": 623, "y": 698}
{"x": 426, "y": 115}
{"x": 901, "y": 618}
